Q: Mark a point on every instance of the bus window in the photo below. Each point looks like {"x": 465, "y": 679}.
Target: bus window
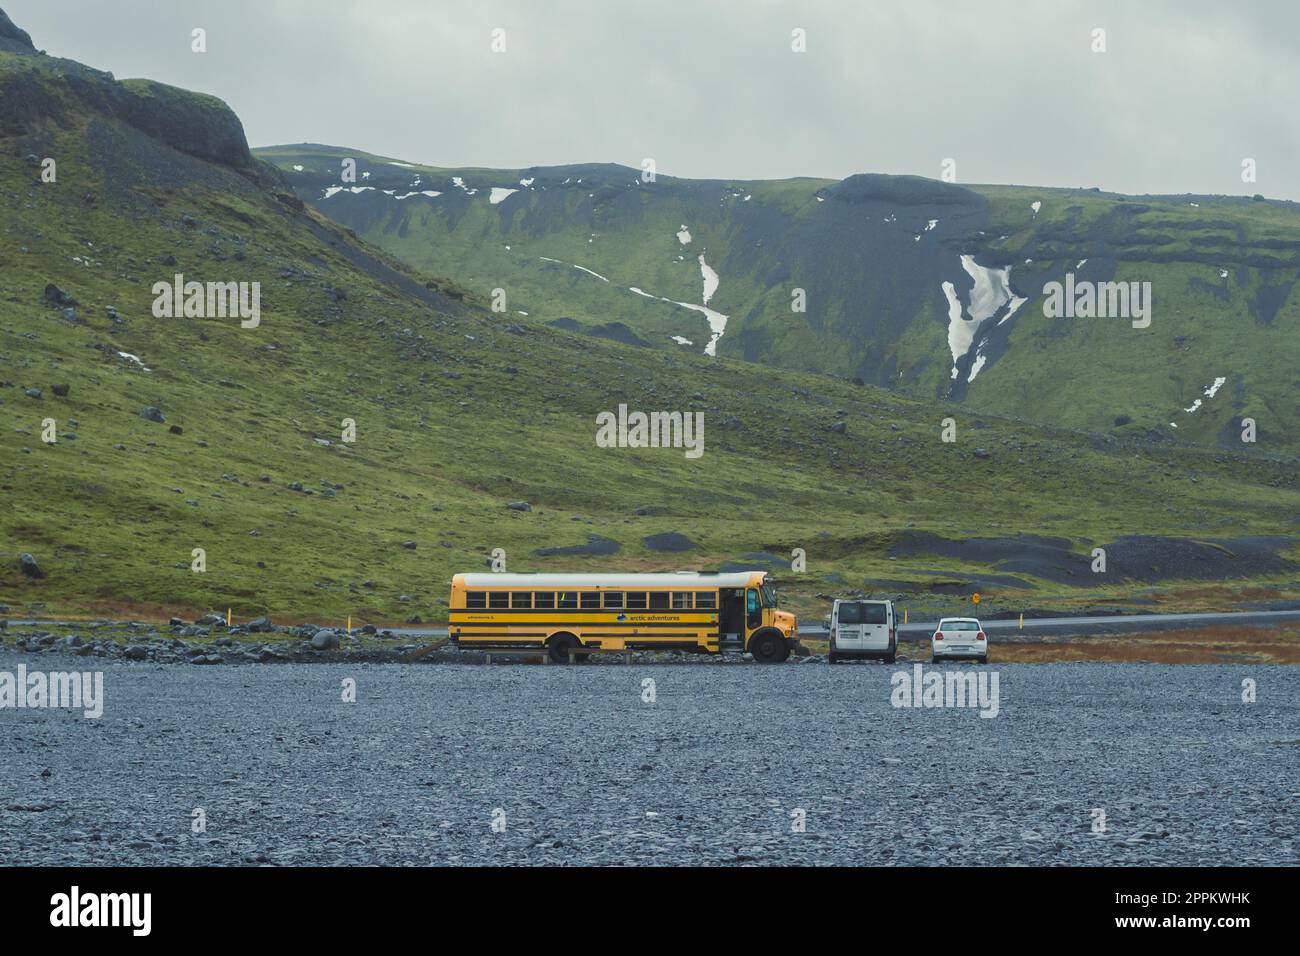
{"x": 636, "y": 600}
{"x": 681, "y": 600}
{"x": 522, "y": 599}
{"x": 476, "y": 599}
{"x": 753, "y": 610}
{"x": 706, "y": 600}
{"x": 498, "y": 599}
{"x": 614, "y": 599}
{"x": 544, "y": 599}
{"x": 589, "y": 599}
{"x": 567, "y": 600}
{"x": 658, "y": 600}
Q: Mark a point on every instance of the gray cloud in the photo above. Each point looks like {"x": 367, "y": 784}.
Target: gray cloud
{"x": 1008, "y": 88}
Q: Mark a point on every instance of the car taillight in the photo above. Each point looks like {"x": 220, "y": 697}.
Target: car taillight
{"x": 979, "y": 636}
{"x": 834, "y": 633}
{"x": 938, "y": 635}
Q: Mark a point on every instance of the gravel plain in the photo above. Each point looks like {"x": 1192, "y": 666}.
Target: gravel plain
{"x": 574, "y": 765}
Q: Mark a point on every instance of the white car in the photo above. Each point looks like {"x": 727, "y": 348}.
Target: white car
{"x": 959, "y": 637}
{"x": 863, "y": 630}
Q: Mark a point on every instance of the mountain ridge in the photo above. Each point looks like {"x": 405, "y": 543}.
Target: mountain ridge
{"x": 877, "y": 308}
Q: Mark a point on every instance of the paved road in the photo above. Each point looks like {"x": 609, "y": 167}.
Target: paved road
{"x": 1033, "y": 627}
{"x": 716, "y": 770}
{"x": 1101, "y": 624}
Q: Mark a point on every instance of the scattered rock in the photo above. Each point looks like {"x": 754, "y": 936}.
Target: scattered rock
{"x": 29, "y": 566}
{"x": 56, "y": 296}
{"x": 519, "y": 506}
{"x": 152, "y": 414}
{"x": 61, "y": 390}
{"x": 325, "y": 640}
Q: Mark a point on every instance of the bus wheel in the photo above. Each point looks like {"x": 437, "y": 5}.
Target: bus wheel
{"x": 768, "y": 647}
{"x": 559, "y": 646}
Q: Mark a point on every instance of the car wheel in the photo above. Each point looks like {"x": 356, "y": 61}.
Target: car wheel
{"x": 831, "y": 658}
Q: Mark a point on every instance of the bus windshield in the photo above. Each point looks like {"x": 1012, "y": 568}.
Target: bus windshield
{"x": 769, "y": 595}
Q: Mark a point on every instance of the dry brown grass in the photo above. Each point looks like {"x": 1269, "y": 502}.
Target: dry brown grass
{"x": 1218, "y": 644}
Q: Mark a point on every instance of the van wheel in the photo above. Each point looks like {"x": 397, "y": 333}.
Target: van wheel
{"x": 831, "y": 658}
{"x": 768, "y": 647}
{"x": 984, "y": 660}
{"x": 889, "y": 659}
{"x": 558, "y": 647}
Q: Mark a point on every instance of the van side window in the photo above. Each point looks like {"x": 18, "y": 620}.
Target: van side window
{"x": 476, "y": 599}
{"x": 544, "y": 599}
{"x": 658, "y": 600}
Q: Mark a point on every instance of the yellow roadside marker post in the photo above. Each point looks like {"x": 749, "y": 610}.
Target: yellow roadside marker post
{"x": 1022, "y": 620}
{"x": 349, "y": 625}
{"x": 227, "y": 617}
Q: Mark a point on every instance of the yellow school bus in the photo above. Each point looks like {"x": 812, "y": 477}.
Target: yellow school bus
{"x": 693, "y": 611}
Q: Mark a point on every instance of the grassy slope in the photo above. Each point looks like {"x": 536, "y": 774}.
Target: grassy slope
{"x": 458, "y": 412}
{"x": 1072, "y": 372}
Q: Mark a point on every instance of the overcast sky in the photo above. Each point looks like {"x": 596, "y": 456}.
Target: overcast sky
{"x": 1010, "y": 89}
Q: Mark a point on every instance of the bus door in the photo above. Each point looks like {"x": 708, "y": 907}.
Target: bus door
{"x": 753, "y": 611}
{"x": 731, "y": 612}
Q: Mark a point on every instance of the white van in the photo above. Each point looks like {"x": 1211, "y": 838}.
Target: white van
{"x": 862, "y": 629}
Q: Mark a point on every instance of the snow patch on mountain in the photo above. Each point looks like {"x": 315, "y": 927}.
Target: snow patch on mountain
{"x": 575, "y": 266}
{"x": 991, "y": 293}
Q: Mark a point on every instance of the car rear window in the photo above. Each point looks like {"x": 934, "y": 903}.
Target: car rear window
{"x": 863, "y": 614}
{"x": 960, "y": 626}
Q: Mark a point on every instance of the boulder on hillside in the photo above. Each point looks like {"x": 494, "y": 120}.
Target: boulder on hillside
{"x": 29, "y": 566}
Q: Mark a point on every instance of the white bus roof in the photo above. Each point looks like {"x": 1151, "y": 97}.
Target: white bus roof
{"x": 617, "y": 582}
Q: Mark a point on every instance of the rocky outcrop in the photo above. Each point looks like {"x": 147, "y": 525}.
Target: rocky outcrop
{"x": 42, "y": 88}
{"x": 13, "y": 39}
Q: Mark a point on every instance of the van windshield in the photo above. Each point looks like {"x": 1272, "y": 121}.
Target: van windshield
{"x": 863, "y": 614}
